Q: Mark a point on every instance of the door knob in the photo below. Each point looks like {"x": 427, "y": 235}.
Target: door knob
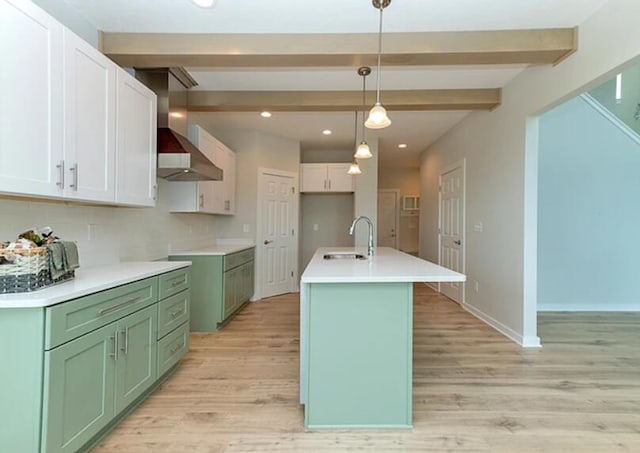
{"x": 267, "y": 242}
{"x": 457, "y": 242}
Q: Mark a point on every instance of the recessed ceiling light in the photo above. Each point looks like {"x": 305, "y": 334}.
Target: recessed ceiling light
{"x": 176, "y": 114}
{"x": 265, "y": 114}
{"x": 327, "y": 132}
{"x": 205, "y": 3}
{"x": 402, "y": 145}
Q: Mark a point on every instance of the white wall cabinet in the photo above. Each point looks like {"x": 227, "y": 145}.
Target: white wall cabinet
{"x": 207, "y": 197}
{"x": 58, "y": 121}
{"x": 326, "y": 178}
{"x": 136, "y": 133}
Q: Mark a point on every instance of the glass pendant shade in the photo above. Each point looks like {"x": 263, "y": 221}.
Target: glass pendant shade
{"x": 354, "y": 169}
{"x": 378, "y": 118}
{"x": 363, "y": 151}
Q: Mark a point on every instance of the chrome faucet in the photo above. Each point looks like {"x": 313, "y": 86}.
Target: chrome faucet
{"x": 353, "y": 227}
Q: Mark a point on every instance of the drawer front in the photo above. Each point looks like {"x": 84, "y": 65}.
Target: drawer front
{"x": 69, "y": 320}
{"x": 172, "y": 312}
{"x": 173, "y": 282}
{"x": 172, "y": 348}
{"x": 238, "y": 258}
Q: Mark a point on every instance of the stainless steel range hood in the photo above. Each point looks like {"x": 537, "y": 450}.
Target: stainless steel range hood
{"x": 178, "y": 158}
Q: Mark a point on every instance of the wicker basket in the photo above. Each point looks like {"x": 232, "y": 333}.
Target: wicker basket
{"x": 28, "y": 272}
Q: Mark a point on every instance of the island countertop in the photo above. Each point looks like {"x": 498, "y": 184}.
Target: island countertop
{"x": 386, "y": 265}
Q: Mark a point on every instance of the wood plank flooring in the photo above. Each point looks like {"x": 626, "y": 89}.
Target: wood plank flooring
{"x": 474, "y": 390}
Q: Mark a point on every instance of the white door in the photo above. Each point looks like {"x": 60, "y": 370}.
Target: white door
{"x": 276, "y": 236}
{"x": 451, "y": 229}
{"x": 135, "y": 142}
{"x": 388, "y": 218}
{"x": 31, "y": 113}
{"x": 90, "y": 117}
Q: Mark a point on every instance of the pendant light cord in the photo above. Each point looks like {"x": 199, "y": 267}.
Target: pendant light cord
{"x": 364, "y": 105}
{"x": 379, "y": 53}
{"x": 355, "y": 136}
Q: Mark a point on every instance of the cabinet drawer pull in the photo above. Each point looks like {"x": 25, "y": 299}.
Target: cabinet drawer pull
{"x": 181, "y": 282}
{"x": 174, "y": 314}
{"x": 176, "y": 348}
{"x": 115, "y": 307}
{"x": 60, "y": 168}
{"x": 125, "y": 344}
{"x": 74, "y": 170}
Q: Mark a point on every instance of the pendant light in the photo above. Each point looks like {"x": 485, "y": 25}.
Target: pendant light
{"x": 363, "y": 151}
{"x": 354, "y": 169}
{"x": 378, "y": 118}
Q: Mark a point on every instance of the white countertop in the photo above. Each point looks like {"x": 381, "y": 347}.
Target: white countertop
{"x": 219, "y": 249}
{"x": 88, "y": 281}
{"x": 386, "y": 265}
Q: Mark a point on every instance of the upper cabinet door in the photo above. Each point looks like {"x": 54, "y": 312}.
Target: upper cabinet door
{"x": 136, "y": 142}
{"x": 313, "y": 177}
{"x": 90, "y": 117}
{"x": 339, "y": 179}
{"x": 31, "y": 98}
{"x": 230, "y": 183}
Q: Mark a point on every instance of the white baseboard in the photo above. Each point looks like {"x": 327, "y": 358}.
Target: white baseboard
{"x": 525, "y": 342}
{"x": 587, "y": 307}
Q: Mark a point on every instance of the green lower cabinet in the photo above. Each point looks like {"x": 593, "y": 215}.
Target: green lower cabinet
{"x": 79, "y": 388}
{"x": 136, "y": 361}
{"x": 219, "y": 285}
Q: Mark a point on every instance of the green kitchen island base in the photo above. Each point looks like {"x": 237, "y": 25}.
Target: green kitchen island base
{"x": 359, "y": 350}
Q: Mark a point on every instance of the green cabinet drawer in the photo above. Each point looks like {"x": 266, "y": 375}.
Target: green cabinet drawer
{"x": 238, "y": 258}
{"x": 173, "y": 282}
{"x": 69, "y": 320}
{"x": 172, "y": 348}
{"x": 172, "y": 312}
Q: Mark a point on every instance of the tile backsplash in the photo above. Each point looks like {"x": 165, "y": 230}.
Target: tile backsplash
{"x": 107, "y": 235}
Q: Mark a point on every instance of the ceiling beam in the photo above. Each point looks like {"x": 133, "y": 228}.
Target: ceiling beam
{"x": 539, "y": 46}
{"x": 334, "y": 101}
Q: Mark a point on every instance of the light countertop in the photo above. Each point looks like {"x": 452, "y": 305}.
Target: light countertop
{"x": 219, "y": 249}
{"x": 88, "y": 281}
{"x": 386, "y": 265}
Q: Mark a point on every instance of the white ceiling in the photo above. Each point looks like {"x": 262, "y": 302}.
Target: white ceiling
{"x": 417, "y": 129}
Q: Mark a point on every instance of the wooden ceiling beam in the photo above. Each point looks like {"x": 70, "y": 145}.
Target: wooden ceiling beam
{"x": 333, "y": 101}
{"x": 538, "y": 46}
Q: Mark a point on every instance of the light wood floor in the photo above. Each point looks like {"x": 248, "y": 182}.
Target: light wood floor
{"x": 474, "y": 390}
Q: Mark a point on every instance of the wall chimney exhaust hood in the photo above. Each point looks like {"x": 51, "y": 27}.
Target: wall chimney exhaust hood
{"x": 178, "y": 158}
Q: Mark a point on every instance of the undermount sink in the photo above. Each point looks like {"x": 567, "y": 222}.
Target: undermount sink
{"x": 344, "y": 255}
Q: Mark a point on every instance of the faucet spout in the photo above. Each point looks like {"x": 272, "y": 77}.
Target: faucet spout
{"x": 370, "y": 224}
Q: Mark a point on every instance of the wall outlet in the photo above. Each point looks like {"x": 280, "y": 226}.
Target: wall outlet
{"x": 315, "y": 227}
{"x": 93, "y": 231}
{"x": 245, "y": 228}
{"x": 478, "y": 227}
{"x": 476, "y": 286}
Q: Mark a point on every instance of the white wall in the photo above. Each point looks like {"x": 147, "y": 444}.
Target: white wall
{"x": 107, "y": 235}
{"x": 502, "y": 171}
{"x": 588, "y": 191}
{"x": 70, "y": 18}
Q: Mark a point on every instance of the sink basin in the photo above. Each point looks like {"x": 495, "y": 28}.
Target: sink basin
{"x": 344, "y": 256}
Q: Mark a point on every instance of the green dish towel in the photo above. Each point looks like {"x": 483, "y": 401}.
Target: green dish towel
{"x": 63, "y": 257}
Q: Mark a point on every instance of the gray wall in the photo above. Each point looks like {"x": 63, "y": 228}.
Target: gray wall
{"x": 588, "y": 212}
{"x": 69, "y": 17}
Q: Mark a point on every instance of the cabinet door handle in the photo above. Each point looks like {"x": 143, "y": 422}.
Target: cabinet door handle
{"x": 329, "y": 184}
{"x": 325, "y": 184}
{"x": 155, "y": 191}
{"x": 115, "y": 307}
{"x": 227, "y": 205}
{"x": 114, "y": 338}
{"x": 60, "y": 168}
{"x": 201, "y": 200}
{"x": 125, "y": 343}
{"x": 74, "y": 170}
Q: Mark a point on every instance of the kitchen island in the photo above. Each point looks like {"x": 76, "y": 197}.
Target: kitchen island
{"x": 356, "y": 337}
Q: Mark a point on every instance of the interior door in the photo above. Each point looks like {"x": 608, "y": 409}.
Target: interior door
{"x": 277, "y": 234}
{"x": 451, "y": 229}
{"x": 388, "y": 218}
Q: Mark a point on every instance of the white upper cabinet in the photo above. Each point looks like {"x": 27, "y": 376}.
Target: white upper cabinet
{"x": 326, "y": 178}
{"x": 136, "y": 142}
{"x": 73, "y": 125}
{"x": 90, "y": 119}
{"x": 31, "y": 113}
{"x": 207, "y": 197}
